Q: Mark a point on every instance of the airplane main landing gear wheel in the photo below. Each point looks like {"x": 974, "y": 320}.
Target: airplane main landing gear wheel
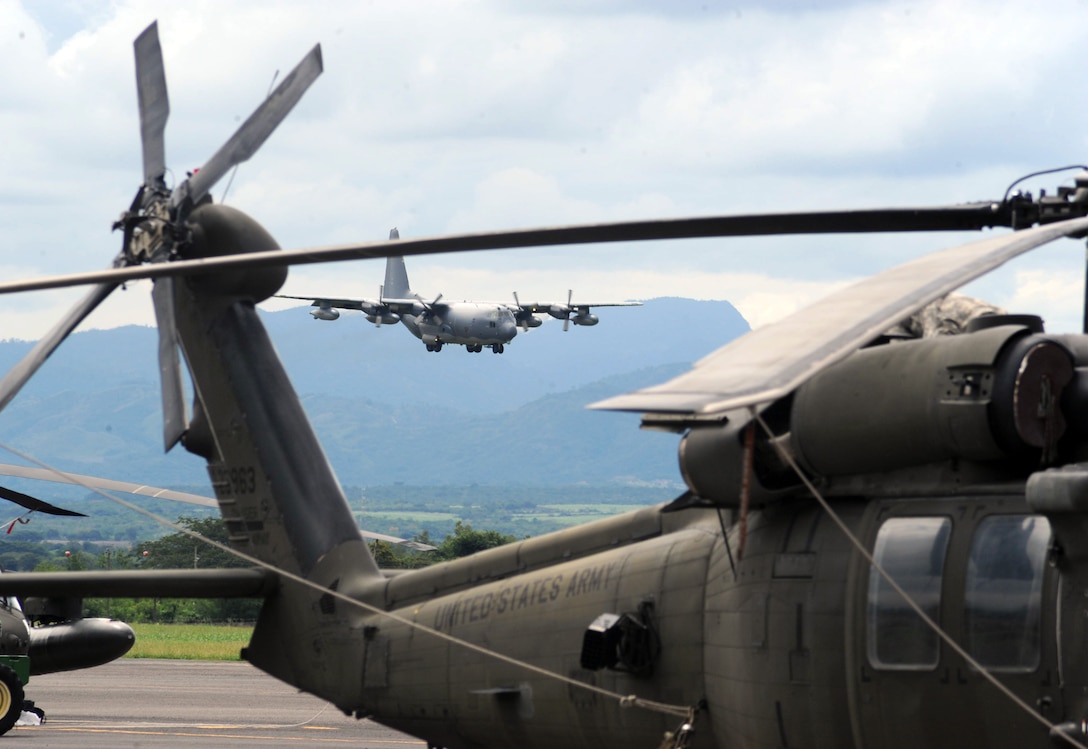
{"x": 436, "y": 346}
{"x": 11, "y": 698}
{"x": 497, "y": 348}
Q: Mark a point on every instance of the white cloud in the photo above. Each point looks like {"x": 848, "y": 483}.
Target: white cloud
{"x": 439, "y": 116}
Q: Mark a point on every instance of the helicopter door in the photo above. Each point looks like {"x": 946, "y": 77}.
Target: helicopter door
{"x": 983, "y": 576}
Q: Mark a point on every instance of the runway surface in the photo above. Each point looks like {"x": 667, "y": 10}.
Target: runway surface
{"x": 157, "y": 703}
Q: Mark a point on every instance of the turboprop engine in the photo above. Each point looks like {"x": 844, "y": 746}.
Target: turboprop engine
{"x": 325, "y": 313}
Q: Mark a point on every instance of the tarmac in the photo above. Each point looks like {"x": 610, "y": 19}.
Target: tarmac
{"x": 163, "y": 703}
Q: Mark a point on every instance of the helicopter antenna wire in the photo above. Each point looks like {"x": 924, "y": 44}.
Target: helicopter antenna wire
{"x": 929, "y": 622}
{"x": 728, "y": 548}
{"x": 269, "y": 726}
{"x": 630, "y": 700}
{"x": 1040, "y": 174}
{"x": 234, "y": 171}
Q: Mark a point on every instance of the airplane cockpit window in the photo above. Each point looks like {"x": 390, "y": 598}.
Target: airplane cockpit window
{"x": 912, "y": 551}
{"x": 1004, "y": 591}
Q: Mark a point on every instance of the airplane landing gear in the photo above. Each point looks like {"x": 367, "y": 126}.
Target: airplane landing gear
{"x": 497, "y": 348}
{"x": 474, "y": 348}
{"x": 436, "y": 346}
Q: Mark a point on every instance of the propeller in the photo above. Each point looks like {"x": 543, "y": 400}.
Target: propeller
{"x": 378, "y": 313}
{"x": 522, "y": 316}
{"x": 429, "y": 307}
{"x": 154, "y": 226}
{"x": 562, "y": 311}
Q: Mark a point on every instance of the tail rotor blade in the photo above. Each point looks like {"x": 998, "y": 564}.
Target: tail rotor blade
{"x": 174, "y": 420}
{"x": 254, "y": 131}
{"x": 18, "y": 375}
{"x": 154, "y": 103}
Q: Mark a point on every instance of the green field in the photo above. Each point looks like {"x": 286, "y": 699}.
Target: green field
{"x": 196, "y": 642}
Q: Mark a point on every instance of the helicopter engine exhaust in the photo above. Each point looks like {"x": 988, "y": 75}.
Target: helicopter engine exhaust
{"x": 997, "y": 399}
{"x": 996, "y": 402}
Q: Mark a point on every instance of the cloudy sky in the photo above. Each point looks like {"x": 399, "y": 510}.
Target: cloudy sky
{"x": 465, "y": 115}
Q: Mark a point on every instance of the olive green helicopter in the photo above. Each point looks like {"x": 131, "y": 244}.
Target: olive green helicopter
{"x": 39, "y": 636}
{"x": 882, "y": 543}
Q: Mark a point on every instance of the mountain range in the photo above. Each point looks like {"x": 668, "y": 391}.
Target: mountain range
{"x": 386, "y": 410}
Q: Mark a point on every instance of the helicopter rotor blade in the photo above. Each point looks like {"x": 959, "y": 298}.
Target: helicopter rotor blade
{"x": 95, "y": 482}
{"x": 253, "y": 132}
{"x": 153, "y": 102}
{"x": 18, "y": 375}
{"x": 35, "y": 504}
{"x": 174, "y": 421}
{"x": 971, "y": 217}
{"x": 771, "y": 361}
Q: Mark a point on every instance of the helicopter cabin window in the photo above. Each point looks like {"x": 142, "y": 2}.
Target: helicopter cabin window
{"x": 1004, "y": 591}
{"x": 912, "y": 551}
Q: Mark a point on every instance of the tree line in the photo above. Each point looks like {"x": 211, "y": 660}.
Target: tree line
{"x": 181, "y": 551}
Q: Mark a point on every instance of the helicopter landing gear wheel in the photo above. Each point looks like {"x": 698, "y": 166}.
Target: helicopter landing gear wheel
{"x": 11, "y": 698}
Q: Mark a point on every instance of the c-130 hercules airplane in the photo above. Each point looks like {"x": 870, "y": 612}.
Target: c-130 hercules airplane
{"x": 884, "y": 543}
{"x": 474, "y": 325}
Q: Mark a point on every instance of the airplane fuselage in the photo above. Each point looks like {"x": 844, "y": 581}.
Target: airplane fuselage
{"x": 470, "y": 324}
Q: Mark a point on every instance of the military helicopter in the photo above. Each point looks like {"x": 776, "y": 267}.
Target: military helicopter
{"x": 882, "y": 542}
{"x": 40, "y": 639}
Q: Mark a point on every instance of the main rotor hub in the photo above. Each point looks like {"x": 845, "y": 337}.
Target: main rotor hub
{"x": 218, "y": 230}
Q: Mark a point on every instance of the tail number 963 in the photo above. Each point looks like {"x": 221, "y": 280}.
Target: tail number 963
{"x": 236, "y": 480}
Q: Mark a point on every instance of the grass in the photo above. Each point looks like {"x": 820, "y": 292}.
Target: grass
{"x": 198, "y": 642}
{"x": 421, "y": 516}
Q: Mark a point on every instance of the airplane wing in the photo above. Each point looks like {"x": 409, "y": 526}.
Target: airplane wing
{"x": 411, "y": 305}
{"x": 94, "y": 482}
{"x": 368, "y": 306}
{"x": 363, "y": 305}
{"x": 544, "y": 307}
{"x": 568, "y": 311}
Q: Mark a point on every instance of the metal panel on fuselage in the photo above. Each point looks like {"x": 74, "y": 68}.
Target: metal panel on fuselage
{"x": 775, "y": 630}
{"x": 447, "y": 693}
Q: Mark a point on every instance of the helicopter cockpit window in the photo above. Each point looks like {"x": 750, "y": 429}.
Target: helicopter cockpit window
{"x": 912, "y": 551}
{"x": 1004, "y": 591}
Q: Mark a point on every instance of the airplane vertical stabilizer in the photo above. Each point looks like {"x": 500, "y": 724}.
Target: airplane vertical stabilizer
{"x": 396, "y": 279}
